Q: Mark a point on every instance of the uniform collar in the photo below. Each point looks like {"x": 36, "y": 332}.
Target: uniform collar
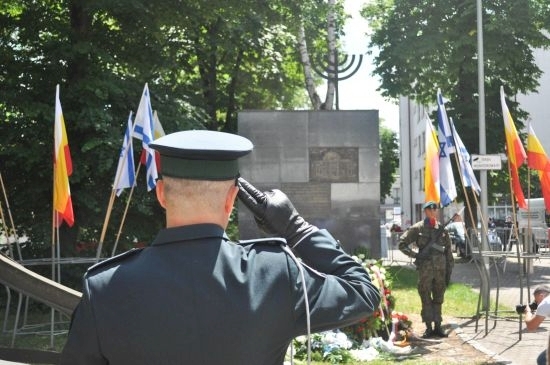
{"x": 189, "y": 233}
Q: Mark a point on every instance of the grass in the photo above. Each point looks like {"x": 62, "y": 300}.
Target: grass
{"x": 460, "y": 302}
{"x": 460, "y": 299}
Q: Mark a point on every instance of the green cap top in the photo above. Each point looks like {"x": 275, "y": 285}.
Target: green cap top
{"x": 201, "y": 154}
{"x": 431, "y": 204}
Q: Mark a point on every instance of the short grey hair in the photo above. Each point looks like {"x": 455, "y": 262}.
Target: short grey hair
{"x": 542, "y": 289}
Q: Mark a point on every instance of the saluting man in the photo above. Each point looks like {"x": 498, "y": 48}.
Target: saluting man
{"x": 195, "y": 297}
{"x": 434, "y": 262}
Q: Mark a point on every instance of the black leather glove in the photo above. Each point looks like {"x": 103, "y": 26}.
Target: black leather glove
{"x": 274, "y": 213}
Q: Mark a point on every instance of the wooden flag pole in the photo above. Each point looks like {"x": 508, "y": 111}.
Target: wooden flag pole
{"x": 105, "y": 222}
{"x": 113, "y": 193}
{"x": 464, "y": 191}
{"x": 124, "y": 215}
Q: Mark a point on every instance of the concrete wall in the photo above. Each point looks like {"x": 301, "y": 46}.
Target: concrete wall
{"x": 326, "y": 162}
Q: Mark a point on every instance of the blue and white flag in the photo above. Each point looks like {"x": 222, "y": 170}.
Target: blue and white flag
{"x": 466, "y": 171}
{"x": 446, "y": 148}
{"x": 143, "y": 130}
{"x": 125, "y": 176}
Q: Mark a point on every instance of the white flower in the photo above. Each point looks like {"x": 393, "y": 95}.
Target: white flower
{"x": 337, "y": 338}
{"x": 368, "y": 354}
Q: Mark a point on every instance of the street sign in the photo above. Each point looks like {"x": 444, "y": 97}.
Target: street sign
{"x": 486, "y": 162}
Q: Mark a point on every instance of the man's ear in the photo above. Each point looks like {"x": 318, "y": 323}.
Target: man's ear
{"x": 230, "y": 198}
{"x": 159, "y": 189}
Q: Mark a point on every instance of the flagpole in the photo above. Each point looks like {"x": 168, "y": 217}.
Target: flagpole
{"x": 458, "y": 157}
{"x": 516, "y": 231}
{"x": 113, "y": 193}
{"x": 124, "y": 215}
{"x": 482, "y": 138}
{"x": 105, "y": 222}
{"x": 466, "y": 197}
{"x": 529, "y": 241}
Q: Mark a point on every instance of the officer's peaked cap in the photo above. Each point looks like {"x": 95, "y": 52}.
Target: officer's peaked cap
{"x": 201, "y": 154}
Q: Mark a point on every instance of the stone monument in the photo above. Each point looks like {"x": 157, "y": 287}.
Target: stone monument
{"x": 327, "y": 162}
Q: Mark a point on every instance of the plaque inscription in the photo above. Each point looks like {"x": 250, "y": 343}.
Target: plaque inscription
{"x": 334, "y": 164}
{"x": 312, "y": 200}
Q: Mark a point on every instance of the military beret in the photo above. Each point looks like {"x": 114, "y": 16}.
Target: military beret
{"x": 431, "y": 204}
{"x": 201, "y": 154}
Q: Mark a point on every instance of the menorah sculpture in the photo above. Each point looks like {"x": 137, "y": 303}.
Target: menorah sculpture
{"x": 342, "y": 69}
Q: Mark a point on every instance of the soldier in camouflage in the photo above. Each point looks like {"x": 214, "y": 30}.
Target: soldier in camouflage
{"x": 434, "y": 262}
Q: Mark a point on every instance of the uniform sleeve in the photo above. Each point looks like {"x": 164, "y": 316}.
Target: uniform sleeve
{"x": 82, "y": 346}
{"x": 339, "y": 289}
{"x": 407, "y": 238}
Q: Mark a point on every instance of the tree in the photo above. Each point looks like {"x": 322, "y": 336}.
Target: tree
{"x": 204, "y": 61}
{"x": 310, "y": 27}
{"x": 425, "y": 45}
{"x": 389, "y": 160}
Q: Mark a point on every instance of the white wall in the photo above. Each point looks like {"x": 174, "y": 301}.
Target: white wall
{"x": 536, "y": 104}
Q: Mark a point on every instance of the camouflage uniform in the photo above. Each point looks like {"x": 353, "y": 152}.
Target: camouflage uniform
{"x": 434, "y": 272}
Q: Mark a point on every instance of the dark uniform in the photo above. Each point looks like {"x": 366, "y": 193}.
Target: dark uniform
{"x": 195, "y": 297}
{"x": 434, "y": 271}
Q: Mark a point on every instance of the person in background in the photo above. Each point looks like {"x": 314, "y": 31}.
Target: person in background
{"x": 193, "y": 295}
{"x": 536, "y": 313}
{"x": 434, "y": 262}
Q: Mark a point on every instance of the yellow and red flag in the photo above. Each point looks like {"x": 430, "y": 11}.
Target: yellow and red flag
{"x": 431, "y": 167}
{"x": 536, "y": 156}
{"x": 515, "y": 151}
{"x": 63, "y": 168}
{"x": 538, "y": 160}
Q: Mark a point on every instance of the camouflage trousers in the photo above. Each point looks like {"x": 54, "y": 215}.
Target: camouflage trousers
{"x": 431, "y": 288}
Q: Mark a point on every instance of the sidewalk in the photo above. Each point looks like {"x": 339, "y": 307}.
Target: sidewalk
{"x": 499, "y": 336}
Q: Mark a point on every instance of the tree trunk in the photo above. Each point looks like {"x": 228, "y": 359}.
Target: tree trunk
{"x": 332, "y": 74}
{"x": 308, "y": 74}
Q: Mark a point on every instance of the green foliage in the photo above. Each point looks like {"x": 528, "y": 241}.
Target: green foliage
{"x": 321, "y": 350}
{"x": 379, "y": 323}
{"x": 389, "y": 160}
{"x": 201, "y": 70}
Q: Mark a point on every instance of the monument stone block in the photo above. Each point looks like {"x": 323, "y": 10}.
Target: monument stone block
{"x": 327, "y": 162}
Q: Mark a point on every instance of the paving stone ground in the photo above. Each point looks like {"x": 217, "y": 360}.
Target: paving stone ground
{"x": 500, "y": 338}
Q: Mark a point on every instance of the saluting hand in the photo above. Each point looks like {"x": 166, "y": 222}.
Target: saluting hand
{"x": 274, "y": 213}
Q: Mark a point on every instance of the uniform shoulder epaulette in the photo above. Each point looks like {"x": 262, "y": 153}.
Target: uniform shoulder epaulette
{"x": 264, "y": 241}
{"x": 115, "y": 259}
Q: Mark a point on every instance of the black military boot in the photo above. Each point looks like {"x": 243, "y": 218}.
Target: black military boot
{"x": 428, "y": 333}
{"x": 438, "y": 331}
